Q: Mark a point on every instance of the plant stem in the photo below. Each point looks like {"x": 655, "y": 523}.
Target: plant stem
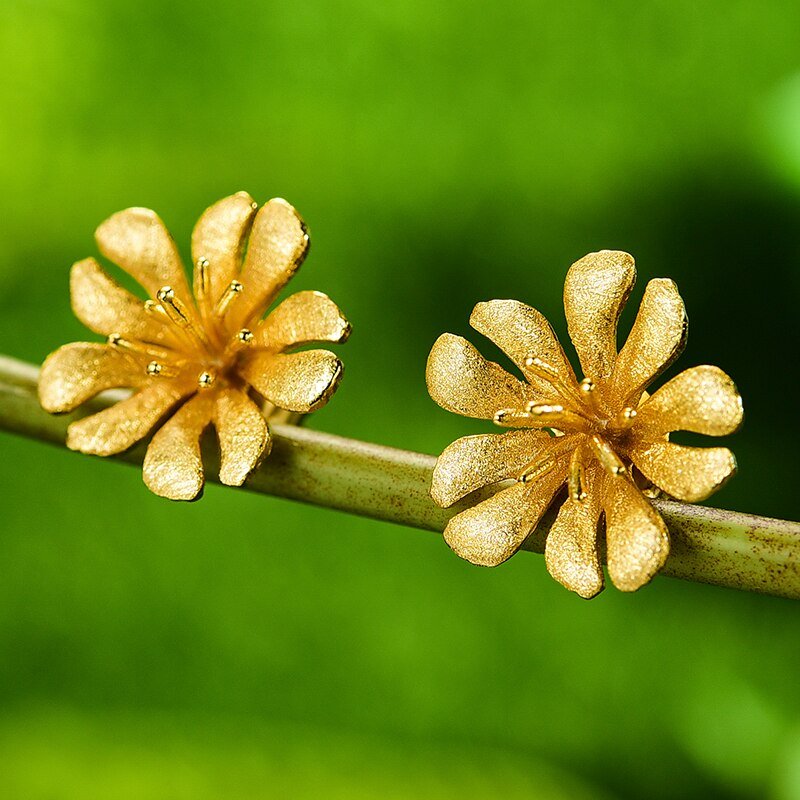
{"x": 708, "y": 545}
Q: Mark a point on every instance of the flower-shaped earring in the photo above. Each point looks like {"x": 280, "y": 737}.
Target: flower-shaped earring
{"x": 604, "y": 436}
{"x": 204, "y": 357}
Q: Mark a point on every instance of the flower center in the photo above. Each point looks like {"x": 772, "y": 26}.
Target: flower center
{"x": 195, "y": 342}
{"x": 581, "y": 418}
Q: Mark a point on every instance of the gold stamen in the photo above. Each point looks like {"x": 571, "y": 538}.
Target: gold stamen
{"x": 590, "y": 394}
{"x": 623, "y": 420}
{"x": 228, "y": 296}
{"x": 546, "y": 461}
{"x": 541, "y": 369}
{"x": 179, "y": 316}
{"x": 605, "y": 454}
{"x": 516, "y": 418}
{"x": 156, "y": 310}
{"x": 506, "y": 416}
{"x": 203, "y": 287}
{"x": 205, "y": 380}
{"x": 244, "y": 337}
{"x": 557, "y": 415}
{"x": 203, "y": 274}
{"x": 537, "y": 468}
{"x": 173, "y": 307}
{"x": 587, "y": 386}
{"x": 202, "y": 293}
{"x": 541, "y": 409}
{"x": 576, "y": 491}
{"x": 157, "y": 369}
{"x": 116, "y": 340}
{"x": 548, "y": 373}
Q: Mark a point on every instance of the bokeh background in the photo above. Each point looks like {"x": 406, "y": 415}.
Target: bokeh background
{"x": 442, "y": 153}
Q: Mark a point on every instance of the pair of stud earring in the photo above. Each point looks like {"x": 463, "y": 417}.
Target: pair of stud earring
{"x": 206, "y": 355}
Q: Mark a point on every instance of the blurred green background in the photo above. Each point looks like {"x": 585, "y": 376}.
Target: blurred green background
{"x": 442, "y": 153}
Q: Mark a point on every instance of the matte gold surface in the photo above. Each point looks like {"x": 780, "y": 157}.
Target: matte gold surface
{"x": 637, "y": 543}
{"x": 232, "y": 292}
{"x": 461, "y": 380}
{"x": 183, "y": 320}
{"x": 595, "y": 292}
{"x": 175, "y": 346}
{"x": 243, "y": 433}
{"x": 476, "y": 461}
{"x": 576, "y": 481}
{"x": 606, "y": 455}
{"x": 300, "y": 319}
{"x": 492, "y": 531}
{"x": 656, "y": 339}
{"x": 117, "y": 428}
{"x": 80, "y": 370}
{"x": 278, "y": 246}
{"x": 571, "y": 547}
{"x": 219, "y": 239}
{"x": 687, "y": 473}
{"x": 609, "y": 421}
{"x": 105, "y": 307}
{"x": 137, "y": 240}
{"x": 172, "y": 465}
{"x": 519, "y": 331}
{"x": 301, "y": 382}
{"x": 700, "y": 399}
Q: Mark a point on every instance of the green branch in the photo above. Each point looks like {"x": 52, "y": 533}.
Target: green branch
{"x": 708, "y": 545}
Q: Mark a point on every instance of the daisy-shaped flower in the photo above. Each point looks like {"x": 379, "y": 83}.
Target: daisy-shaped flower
{"x": 602, "y": 436}
{"x": 201, "y": 358}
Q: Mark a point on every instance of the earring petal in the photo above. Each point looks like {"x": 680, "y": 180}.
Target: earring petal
{"x": 244, "y": 437}
{"x": 595, "y": 292}
{"x": 173, "y": 465}
{"x": 571, "y": 552}
{"x": 461, "y": 380}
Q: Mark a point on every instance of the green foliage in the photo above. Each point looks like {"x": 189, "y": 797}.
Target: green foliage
{"x": 442, "y": 153}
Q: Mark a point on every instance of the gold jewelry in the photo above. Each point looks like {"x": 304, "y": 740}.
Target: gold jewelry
{"x": 604, "y": 437}
{"x": 196, "y": 358}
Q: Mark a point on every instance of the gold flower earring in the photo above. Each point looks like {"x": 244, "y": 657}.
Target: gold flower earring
{"x": 603, "y": 437}
{"x": 204, "y": 357}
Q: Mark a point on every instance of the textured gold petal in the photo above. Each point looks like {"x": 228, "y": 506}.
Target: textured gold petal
{"x": 105, "y": 307}
{"x": 80, "y": 370}
{"x": 243, "y": 435}
{"x": 492, "y": 531}
{"x": 461, "y": 380}
{"x": 278, "y": 244}
{"x": 137, "y": 240}
{"x": 656, "y": 339}
{"x": 701, "y": 399}
{"x": 117, "y": 428}
{"x": 637, "y": 541}
{"x": 173, "y": 464}
{"x": 595, "y": 291}
{"x": 476, "y": 461}
{"x": 571, "y": 547}
{"x": 219, "y": 237}
{"x": 300, "y": 319}
{"x": 521, "y": 331}
{"x": 687, "y": 473}
{"x": 299, "y": 382}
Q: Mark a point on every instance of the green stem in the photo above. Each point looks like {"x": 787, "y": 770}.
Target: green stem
{"x": 708, "y": 545}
